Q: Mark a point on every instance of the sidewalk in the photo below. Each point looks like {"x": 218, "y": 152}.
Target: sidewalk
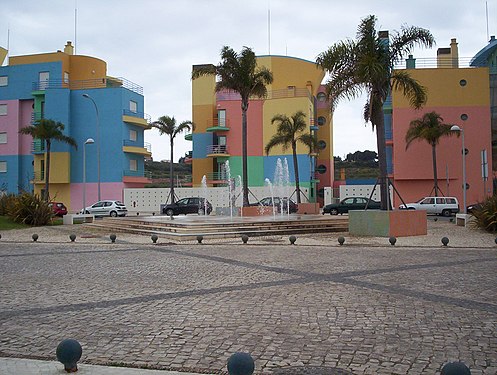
{"x": 16, "y": 366}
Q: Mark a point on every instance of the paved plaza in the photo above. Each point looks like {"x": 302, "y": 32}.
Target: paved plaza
{"x": 304, "y": 309}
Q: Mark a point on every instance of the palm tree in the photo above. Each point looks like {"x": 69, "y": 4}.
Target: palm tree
{"x": 429, "y": 128}
{"x": 47, "y": 131}
{"x": 239, "y": 73}
{"x": 289, "y": 132}
{"x": 367, "y": 65}
{"x": 167, "y": 125}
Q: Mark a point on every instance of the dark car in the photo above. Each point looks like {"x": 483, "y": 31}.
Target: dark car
{"x": 351, "y": 203}
{"x": 276, "y": 203}
{"x": 474, "y": 207}
{"x": 192, "y": 205}
{"x": 58, "y": 208}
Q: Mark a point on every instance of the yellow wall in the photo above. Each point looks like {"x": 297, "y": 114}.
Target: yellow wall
{"x": 59, "y": 166}
{"x": 446, "y": 85}
{"x": 201, "y": 167}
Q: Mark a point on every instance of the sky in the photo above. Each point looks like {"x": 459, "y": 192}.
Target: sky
{"x": 154, "y": 43}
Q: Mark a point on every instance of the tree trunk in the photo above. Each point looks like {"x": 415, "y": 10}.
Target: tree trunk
{"x": 435, "y": 177}
{"x": 47, "y": 172}
{"x": 382, "y": 160}
{"x": 296, "y": 169}
{"x": 171, "y": 176}
{"x": 244, "y": 153}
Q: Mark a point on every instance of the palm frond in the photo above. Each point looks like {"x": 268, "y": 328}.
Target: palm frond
{"x": 410, "y": 87}
{"x": 402, "y": 43}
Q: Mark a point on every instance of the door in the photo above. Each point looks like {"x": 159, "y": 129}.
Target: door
{"x": 428, "y": 204}
{"x": 43, "y": 79}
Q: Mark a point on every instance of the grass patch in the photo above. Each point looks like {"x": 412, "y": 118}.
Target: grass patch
{"x": 6, "y": 224}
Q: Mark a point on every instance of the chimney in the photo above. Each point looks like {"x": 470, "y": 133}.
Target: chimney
{"x": 454, "y": 53}
{"x": 448, "y": 57}
{"x": 68, "y": 48}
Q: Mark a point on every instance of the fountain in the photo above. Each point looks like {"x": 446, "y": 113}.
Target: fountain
{"x": 262, "y": 208}
{"x": 204, "y": 193}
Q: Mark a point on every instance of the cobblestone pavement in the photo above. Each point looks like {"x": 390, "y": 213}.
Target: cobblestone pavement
{"x": 320, "y": 309}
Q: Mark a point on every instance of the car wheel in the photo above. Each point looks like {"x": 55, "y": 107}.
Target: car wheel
{"x": 113, "y": 214}
{"x": 446, "y": 213}
{"x": 87, "y": 212}
{"x": 333, "y": 211}
{"x": 169, "y": 212}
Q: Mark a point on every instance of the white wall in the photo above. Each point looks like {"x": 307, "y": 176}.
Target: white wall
{"x": 361, "y": 191}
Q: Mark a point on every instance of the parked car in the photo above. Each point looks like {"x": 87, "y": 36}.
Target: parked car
{"x": 276, "y": 202}
{"x": 58, "y": 208}
{"x": 107, "y": 208}
{"x": 191, "y": 205}
{"x": 474, "y": 207}
{"x": 349, "y": 204}
{"x": 445, "y": 206}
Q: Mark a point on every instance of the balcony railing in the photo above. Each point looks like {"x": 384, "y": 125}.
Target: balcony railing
{"x": 35, "y": 116}
{"x": 272, "y": 94}
{"x": 38, "y": 147}
{"x": 39, "y": 176}
{"x": 146, "y": 145}
{"x": 141, "y": 115}
{"x": 217, "y": 149}
{"x": 87, "y": 84}
{"x": 132, "y": 173}
{"x": 216, "y": 176}
{"x": 435, "y": 62}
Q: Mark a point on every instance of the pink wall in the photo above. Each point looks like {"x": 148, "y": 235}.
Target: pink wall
{"x": 413, "y": 170}
{"x": 112, "y": 191}
{"x": 18, "y": 116}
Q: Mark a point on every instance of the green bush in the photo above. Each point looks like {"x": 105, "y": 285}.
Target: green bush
{"x": 486, "y": 214}
{"x": 5, "y": 200}
{"x": 29, "y": 209}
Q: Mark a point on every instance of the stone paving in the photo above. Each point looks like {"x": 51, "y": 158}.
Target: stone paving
{"x": 303, "y": 309}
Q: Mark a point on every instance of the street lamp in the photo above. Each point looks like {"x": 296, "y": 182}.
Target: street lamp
{"x": 456, "y": 128}
{"x": 89, "y": 141}
{"x": 97, "y": 141}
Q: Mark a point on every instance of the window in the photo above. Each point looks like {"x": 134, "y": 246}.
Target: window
{"x": 132, "y": 135}
{"x": 3, "y": 166}
{"x": 133, "y": 165}
{"x": 4, "y": 80}
{"x": 3, "y": 137}
{"x": 221, "y": 140}
{"x": 221, "y": 117}
{"x": 321, "y": 97}
{"x": 43, "y": 80}
{"x": 428, "y": 201}
{"x": 463, "y": 82}
{"x": 321, "y": 120}
{"x": 321, "y": 145}
{"x": 66, "y": 77}
{"x": 133, "y": 106}
{"x": 464, "y": 117}
{"x": 321, "y": 169}
{"x": 3, "y": 109}
{"x": 440, "y": 200}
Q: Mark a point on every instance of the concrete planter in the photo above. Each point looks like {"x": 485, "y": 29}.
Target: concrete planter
{"x": 257, "y": 211}
{"x": 308, "y": 208}
{"x": 398, "y": 223}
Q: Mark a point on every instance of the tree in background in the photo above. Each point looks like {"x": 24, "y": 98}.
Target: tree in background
{"x": 429, "y": 128}
{"x": 367, "y": 65}
{"x": 290, "y": 130}
{"x": 239, "y": 73}
{"x": 47, "y": 131}
{"x": 167, "y": 125}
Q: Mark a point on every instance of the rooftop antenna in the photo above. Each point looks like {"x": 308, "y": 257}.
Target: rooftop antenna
{"x": 486, "y": 12}
{"x": 269, "y": 26}
{"x": 75, "y": 24}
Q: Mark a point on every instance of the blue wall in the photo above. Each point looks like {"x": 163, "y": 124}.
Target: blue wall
{"x": 270, "y": 163}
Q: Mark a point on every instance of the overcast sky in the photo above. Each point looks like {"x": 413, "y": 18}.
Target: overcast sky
{"x": 154, "y": 43}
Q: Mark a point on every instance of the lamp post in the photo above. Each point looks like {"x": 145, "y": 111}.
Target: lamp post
{"x": 456, "y": 128}
{"x": 89, "y": 141}
{"x": 97, "y": 141}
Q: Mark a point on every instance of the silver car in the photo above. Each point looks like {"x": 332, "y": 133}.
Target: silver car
{"x": 107, "y": 208}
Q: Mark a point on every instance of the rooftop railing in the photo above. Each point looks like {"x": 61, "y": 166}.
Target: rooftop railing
{"x": 435, "y": 62}
{"x": 107, "y": 82}
{"x": 271, "y": 94}
{"x": 143, "y": 115}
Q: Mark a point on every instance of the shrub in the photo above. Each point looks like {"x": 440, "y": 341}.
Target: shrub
{"x": 5, "y": 200}
{"x": 29, "y": 209}
{"x": 486, "y": 214}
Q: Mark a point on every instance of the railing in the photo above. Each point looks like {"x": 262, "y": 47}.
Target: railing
{"x": 139, "y": 173}
{"x": 38, "y": 147}
{"x": 215, "y": 122}
{"x": 35, "y": 116}
{"x": 216, "y": 176}
{"x": 217, "y": 149}
{"x": 130, "y": 143}
{"x": 435, "y": 62}
{"x": 141, "y": 115}
{"x": 39, "y": 176}
{"x": 271, "y": 94}
{"x": 87, "y": 84}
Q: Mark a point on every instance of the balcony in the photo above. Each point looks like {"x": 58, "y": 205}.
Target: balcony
{"x": 188, "y": 137}
{"x": 38, "y": 147}
{"x": 134, "y": 147}
{"x": 107, "y": 82}
{"x": 216, "y": 177}
{"x": 36, "y": 116}
{"x": 138, "y": 176}
{"x": 39, "y": 177}
{"x": 215, "y": 126}
{"x": 217, "y": 151}
{"x": 137, "y": 118}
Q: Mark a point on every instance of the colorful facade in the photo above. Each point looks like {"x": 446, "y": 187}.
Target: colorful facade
{"x": 218, "y": 117}
{"x": 462, "y": 96}
{"x": 51, "y": 86}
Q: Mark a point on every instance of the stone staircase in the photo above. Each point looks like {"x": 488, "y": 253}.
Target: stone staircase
{"x": 189, "y": 227}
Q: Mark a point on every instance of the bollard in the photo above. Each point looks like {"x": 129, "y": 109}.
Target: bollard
{"x": 34, "y": 237}
{"x": 392, "y": 240}
{"x": 495, "y": 240}
{"x": 241, "y": 364}
{"x": 445, "y": 241}
{"x": 154, "y": 238}
{"x": 69, "y": 352}
{"x": 72, "y": 237}
{"x": 455, "y": 368}
{"x": 153, "y": 213}
{"x": 245, "y": 238}
{"x": 341, "y": 240}
{"x": 199, "y": 238}
{"x": 113, "y": 237}
{"x": 292, "y": 239}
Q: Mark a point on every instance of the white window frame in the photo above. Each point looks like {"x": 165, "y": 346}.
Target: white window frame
{"x": 133, "y": 165}
{"x": 43, "y": 78}
{"x": 133, "y": 135}
{"x": 4, "y": 81}
{"x": 3, "y": 166}
{"x": 133, "y": 106}
{"x": 3, "y": 137}
{"x": 3, "y": 109}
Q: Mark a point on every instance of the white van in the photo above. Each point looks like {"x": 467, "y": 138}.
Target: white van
{"x": 445, "y": 206}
